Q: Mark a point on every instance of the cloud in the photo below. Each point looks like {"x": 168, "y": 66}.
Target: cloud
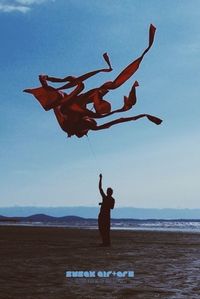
{"x": 30, "y": 2}
{"x": 22, "y": 6}
{"x": 12, "y": 8}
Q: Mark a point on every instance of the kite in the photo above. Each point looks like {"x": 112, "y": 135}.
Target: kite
{"x": 71, "y": 110}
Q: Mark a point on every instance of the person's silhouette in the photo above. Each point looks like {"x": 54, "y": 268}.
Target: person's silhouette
{"x": 107, "y": 204}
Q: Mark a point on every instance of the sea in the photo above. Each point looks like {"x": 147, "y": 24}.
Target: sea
{"x": 190, "y": 226}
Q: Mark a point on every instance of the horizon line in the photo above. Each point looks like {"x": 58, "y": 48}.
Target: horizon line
{"x": 81, "y": 206}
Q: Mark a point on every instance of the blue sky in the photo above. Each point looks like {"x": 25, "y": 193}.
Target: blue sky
{"x": 147, "y": 165}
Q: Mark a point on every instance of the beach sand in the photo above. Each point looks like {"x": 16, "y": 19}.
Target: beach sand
{"x": 33, "y": 261}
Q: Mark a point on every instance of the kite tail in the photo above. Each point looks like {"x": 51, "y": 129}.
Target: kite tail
{"x": 107, "y": 59}
{"x": 133, "y": 67}
{"x": 152, "y": 118}
{"x": 131, "y": 99}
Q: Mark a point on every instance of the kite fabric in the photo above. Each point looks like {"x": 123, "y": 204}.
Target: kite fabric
{"x": 71, "y": 109}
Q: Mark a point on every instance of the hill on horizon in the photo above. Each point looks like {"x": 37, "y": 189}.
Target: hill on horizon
{"x": 92, "y": 212}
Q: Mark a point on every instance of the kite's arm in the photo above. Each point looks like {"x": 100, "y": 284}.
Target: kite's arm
{"x": 72, "y": 81}
{"x": 45, "y": 78}
{"x": 90, "y": 74}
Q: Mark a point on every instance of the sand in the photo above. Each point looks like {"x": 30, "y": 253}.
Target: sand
{"x": 33, "y": 261}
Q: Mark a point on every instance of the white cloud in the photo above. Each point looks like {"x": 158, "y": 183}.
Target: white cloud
{"x": 22, "y": 6}
{"x": 12, "y": 8}
{"x": 29, "y": 2}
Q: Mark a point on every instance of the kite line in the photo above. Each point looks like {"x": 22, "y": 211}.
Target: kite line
{"x": 93, "y": 154}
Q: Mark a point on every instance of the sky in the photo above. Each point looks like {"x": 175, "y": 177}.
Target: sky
{"x": 148, "y": 166}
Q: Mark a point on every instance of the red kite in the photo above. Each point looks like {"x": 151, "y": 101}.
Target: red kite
{"x": 71, "y": 109}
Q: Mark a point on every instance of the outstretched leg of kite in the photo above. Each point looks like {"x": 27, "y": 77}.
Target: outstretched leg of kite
{"x": 152, "y": 118}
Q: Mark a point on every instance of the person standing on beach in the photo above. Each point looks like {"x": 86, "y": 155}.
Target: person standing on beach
{"x": 107, "y": 204}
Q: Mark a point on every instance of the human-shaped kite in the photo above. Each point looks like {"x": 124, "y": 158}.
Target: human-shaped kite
{"x": 71, "y": 109}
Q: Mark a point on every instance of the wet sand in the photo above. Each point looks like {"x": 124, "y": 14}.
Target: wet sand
{"x": 33, "y": 261}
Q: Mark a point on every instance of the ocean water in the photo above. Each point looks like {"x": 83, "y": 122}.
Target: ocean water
{"x": 192, "y": 226}
{"x": 162, "y": 225}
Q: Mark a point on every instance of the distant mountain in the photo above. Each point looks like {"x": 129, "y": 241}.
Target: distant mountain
{"x": 43, "y": 218}
{"x": 47, "y": 219}
{"x": 71, "y": 221}
{"x": 79, "y": 222}
{"x": 92, "y": 212}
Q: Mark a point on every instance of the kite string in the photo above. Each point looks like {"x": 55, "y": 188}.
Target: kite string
{"x": 93, "y": 154}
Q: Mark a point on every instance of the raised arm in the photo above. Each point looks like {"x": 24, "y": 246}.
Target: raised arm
{"x": 100, "y": 186}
